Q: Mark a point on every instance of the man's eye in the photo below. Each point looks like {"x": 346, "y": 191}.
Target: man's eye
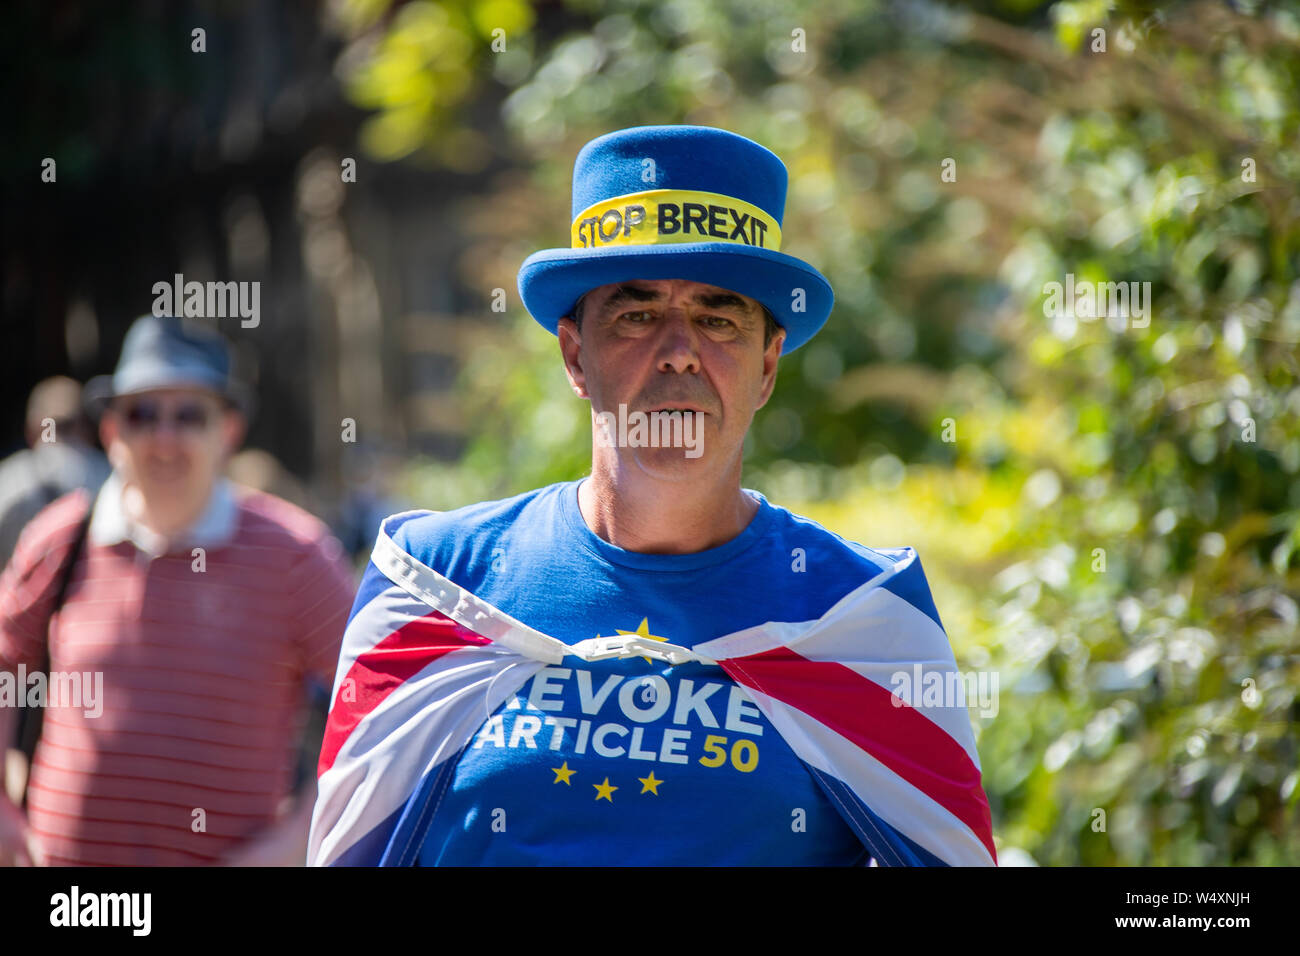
{"x": 637, "y": 316}
{"x": 717, "y": 321}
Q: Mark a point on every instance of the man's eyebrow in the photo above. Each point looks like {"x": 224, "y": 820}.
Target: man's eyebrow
{"x": 722, "y": 300}
{"x": 631, "y": 293}
{"x": 710, "y": 300}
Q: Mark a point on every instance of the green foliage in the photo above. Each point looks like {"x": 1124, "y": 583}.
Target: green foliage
{"x": 419, "y": 69}
{"x": 1114, "y": 530}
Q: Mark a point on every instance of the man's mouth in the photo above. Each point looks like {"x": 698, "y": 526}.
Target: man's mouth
{"x": 168, "y": 470}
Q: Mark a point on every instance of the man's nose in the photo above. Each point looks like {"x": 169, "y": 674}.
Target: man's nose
{"x": 678, "y": 344}
{"x": 166, "y": 431}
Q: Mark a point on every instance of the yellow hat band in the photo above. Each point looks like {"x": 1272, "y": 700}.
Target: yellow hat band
{"x": 665, "y": 216}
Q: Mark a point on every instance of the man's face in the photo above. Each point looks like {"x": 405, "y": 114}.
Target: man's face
{"x": 672, "y": 344}
{"x": 171, "y": 443}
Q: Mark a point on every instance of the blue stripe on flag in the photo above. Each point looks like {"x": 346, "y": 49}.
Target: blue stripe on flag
{"x": 885, "y": 843}
{"x": 408, "y": 837}
{"x": 367, "y": 850}
{"x": 373, "y": 583}
{"x": 912, "y": 587}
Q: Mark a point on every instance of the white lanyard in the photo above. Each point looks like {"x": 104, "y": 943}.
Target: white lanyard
{"x": 473, "y": 613}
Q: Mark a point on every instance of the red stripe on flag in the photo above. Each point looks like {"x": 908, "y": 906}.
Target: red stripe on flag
{"x": 382, "y": 669}
{"x": 860, "y": 710}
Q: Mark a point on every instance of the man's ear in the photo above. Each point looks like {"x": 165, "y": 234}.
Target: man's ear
{"x": 571, "y": 351}
{"x": 107, "y": 428}
{"x": 771, "y": 355}
{"x": 110, "y": 438}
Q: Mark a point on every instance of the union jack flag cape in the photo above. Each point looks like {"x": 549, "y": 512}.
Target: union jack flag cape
{"x": 424, "y": 663}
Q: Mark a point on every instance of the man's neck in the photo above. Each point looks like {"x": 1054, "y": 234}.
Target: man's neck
{"x": 635, "y": 512}
{"x": 163, "y": 523}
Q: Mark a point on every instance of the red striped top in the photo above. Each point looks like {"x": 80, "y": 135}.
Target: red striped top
{"x": 202, "y": 680}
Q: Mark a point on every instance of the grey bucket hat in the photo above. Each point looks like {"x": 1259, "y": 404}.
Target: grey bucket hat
{"x": 164, "y": 352}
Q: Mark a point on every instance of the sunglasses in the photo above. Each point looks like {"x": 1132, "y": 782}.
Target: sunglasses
{"x": 187, "y": 417}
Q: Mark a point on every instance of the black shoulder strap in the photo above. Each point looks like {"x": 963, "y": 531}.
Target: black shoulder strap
{"x": 31, "y": 721}
{"x": 70, "y": 562}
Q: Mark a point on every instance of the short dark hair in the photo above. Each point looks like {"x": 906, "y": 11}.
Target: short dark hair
{"x": 769, "y": 320}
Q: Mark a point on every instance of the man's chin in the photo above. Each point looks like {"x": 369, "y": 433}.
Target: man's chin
{"x": 168, "y": 494}
{"x": 672, "y": 464}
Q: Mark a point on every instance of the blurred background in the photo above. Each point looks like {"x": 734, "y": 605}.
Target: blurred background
{"x": 1109, "y": 515}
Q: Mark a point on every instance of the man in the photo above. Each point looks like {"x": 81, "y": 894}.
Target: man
{"x": 193, "y": 614}
{"x": 58, "y": 458}
{"x": 651, "y": 665}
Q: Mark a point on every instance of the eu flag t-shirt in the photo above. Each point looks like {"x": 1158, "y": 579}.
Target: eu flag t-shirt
{"x": 635, "y": 761}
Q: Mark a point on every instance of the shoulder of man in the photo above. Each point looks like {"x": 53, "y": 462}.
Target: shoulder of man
{"x": 319, "y": 583}
{"x": 437, "y": 537}
{"x": 31, "y": 579}
{"x": 800, "y": 530}
{"x": 270, "y": 521}
{"x": 17, "y": 469}
{"x": 840, "y": 565}
{"x": 47, "y": 537}
{"x": 274, "y": 516}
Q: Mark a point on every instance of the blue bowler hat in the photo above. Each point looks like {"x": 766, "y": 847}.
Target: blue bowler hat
{"x": 164, "y": 352}
{"x": 678, "y": 202}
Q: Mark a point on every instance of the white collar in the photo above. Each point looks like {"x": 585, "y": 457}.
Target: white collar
{"x": 111, "y": 524}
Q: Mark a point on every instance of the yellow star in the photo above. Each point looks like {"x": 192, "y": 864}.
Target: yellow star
{"x": 649, "y": 784}
{"x": 643, "y": 630}
{"x": 563, "y": 773}
{"x": 604, "y": 790}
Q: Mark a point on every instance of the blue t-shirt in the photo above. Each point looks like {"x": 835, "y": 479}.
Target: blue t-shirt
{"x": 632, "y": 761}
